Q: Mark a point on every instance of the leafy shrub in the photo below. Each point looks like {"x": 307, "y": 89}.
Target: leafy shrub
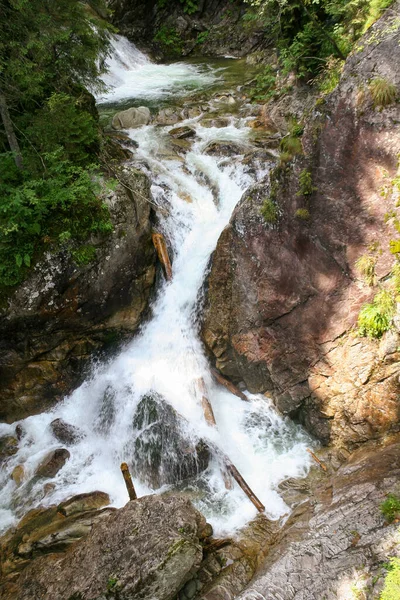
{"x": 390, "y": 507}
{"x": 383, "y": 92}
{"x": 391, "y": 588}
{"x": 169, "y": 40}
{"x": 375, "y": 318}
{"x": 329, "y": 78}
{"x": 306, "y": 187}
{"x": 302, "y": 213}
{"x": 269, "y": 211}
{"x": 366, "y": 266}
{"x": 84, "y": 255}
{"x": 265, "y": 85}
{"x": 36, "y": 210}
{"x": 202, "y": 37}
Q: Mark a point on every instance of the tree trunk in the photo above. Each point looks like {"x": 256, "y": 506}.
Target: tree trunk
{"x": 8, "y": 126}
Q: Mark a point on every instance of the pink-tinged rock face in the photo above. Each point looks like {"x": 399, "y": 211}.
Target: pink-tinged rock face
{"x": 282, "y": 299}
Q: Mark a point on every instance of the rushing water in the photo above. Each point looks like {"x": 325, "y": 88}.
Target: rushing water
{"x": 166, "y": 358}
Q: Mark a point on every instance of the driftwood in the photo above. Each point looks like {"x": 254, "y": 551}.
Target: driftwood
{"x": 231, "y": 387}
{"x": 229, "y": 468}
{"x": 128, "y": 481}
{"x": 162, "y": 252}
{"x": 321, "y": 464}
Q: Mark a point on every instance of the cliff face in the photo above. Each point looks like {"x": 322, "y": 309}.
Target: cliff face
{"x": 211, "y": 27}
{"x": 282, "y": 299}
{"x": 63, "y": 312}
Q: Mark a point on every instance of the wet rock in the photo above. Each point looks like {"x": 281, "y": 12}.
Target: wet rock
{"x": 8, "y": 447}
{"x": 83, "y": 503}
{"x": 167, "y": 116}
{"x": 19, "y": 432}
{"x": 64, "y": 432}
{"x": 182, "y": 132}
{"x": 218, "y": 122}
{"x": 52, "y": 463}
{"x": 162, "y": 454}
{"x": 181, "y": 145}
{"x": 64, "y": 312}
{"x": 148, "y": 549}
{"x": 132, "y": 118}
{"x": 224, "y": 148}
{"x": 18, "y": 474}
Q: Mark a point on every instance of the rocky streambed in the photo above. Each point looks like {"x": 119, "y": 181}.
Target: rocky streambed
{"x": 278, "y": 311}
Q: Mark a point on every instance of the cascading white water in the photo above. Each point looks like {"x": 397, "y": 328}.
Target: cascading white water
{"x": 166, "y": 359}
{"x": 132, "y": 75}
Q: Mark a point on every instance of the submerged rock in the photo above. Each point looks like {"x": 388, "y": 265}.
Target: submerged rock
{"x": 147, "y": 550}
{"x": 162, "y": 454}
{"x": 18, "y": 474}
{"x": 8, "y": 447}
{"x": 131, "y": 118}
{"x": 52, "y": 463}
{"x": 64, "y": 432}
{"x": 182, "y": 132}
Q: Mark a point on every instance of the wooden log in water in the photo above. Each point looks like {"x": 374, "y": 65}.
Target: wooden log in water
{"x": 247, "y": 490}
{"x": 229, "y": 468}
{"x": 231, "y": 387}
{"x": 162, "y": 252}
{"x": 319, "y": 462}
{"x": 128, "y": 481}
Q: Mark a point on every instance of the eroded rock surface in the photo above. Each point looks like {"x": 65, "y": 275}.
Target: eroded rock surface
{"x": 148, "y": 549}
{"x": 282, "y": 298}
{"x": 335, "y": 543}
{"x": 64, "y": 312}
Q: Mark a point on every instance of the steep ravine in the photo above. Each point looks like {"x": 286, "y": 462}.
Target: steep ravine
{"x": 283, "y": 299}
{"x": 280, "y": 306}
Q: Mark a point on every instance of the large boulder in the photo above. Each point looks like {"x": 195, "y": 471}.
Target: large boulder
{"x": 51, "y": 529}
{"x": 65, "y": 311}
{"x": 52, "y": 463}
{"x": 148, "y": 549}
{"x": 131, "y": 118}
{"x": 282, "y": 298}
{"x": 162, "y": 454}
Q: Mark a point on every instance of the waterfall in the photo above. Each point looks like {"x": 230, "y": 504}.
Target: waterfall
{"x": 143, "y": 407}
{"x": 132, "y": 75}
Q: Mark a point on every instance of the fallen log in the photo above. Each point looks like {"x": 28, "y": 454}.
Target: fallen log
{"x": 128, "y": 481}
{"x": 317, "y": 460}
{"x": 247, "y": 490}
{"x": 162, "y": 253}
{"x": 231, "y": 387}
{"x": 229, "y": 468}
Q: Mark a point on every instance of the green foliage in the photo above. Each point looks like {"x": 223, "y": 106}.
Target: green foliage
{"x": 306, "y": 187}
{"x": 391, "y": 588}
{"x": 190, "y": 6}
{"x": 265, "y": 85}
{"x": 366, "y": 266}
{"x": 63, "y": 203}
{"x": 383, "y": 92}
{"x": 49, "y": 52}
{"x": 269, "y": 211}
{"x": 169, "y": 39}
{"x": 390, "y": 508}
{"x": 375, "y": 318}
{"x": 112, "y": 584}
{"x": 310, "y": 34}
{"x": 302, "y": 213}
{"x": 202, "y": 37}
{"x": 84, "y": 255}
{"x": 329, "y": 77}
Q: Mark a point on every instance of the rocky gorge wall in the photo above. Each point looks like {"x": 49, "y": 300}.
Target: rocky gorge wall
{"x": 53, "y": 323}
{"x": 282, "y": 299}
{"x": 210, "y": 27}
